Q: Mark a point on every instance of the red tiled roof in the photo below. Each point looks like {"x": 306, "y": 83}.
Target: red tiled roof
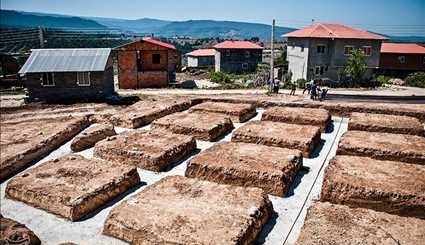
{"x": 202, "y": 52}
{"x": 237, "y": 45}
{"x": 402, "y": 48}
{"x": 333, "y": 31}
{"x": 159, "y": 43}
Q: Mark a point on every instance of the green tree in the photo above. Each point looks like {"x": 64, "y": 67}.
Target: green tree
{"x": 356, "y": 65}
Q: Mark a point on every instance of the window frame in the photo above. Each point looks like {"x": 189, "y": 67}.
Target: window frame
{"x": 351, "y": 49}
{"x": 247, "y": 54}
{"x": 84, "y": 83}
{"x": 154, "y": 60}
{"x": 402, "y": 59}
{"x": 367, "y": 47}
{"x": 324, "y": 46}
{"x": 245, "y": 66}
{"x": 50, "y": 82}
{"x": 227, "y": 53}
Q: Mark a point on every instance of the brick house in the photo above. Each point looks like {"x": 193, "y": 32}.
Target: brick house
{"x": 201, "y": 58}
{"x": 322, "y": 50}
{"x": 69, "y": 74}
{"x": 237, "y": 56}
{"x": 400, "y": 59}
{"x": 147, "y": 63}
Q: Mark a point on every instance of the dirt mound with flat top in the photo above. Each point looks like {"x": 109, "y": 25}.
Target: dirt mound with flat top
{"x": 301, "y": 137}
{"x": 12, "y": 232}
{"x": 202, "y": 126}
{"x": 90, "y": 136}
{"x": 304, "y": 116}
{"x": 144, "y": 112}
{"x": 25, "y": 141}
{"x": 387, "y": 186}
{"x": 236, "y": 111}
{"x": 72, "y": 186}
{"x": 385, "y": 123}
{"x": 269, "y": 168}
{"x": 180, "y": 210}
{"x": 383, "y": 146}
{"x": 154, "y": 150}
{"x": 340, "y": 225}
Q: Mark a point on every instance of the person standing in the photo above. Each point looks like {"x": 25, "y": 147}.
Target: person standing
{"x": 307, "y": 86}
{"x": 313, "y": 91}
{"x": 293, "y": 88}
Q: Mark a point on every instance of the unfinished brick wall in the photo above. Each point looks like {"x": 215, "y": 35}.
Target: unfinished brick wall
{"x": 149, "y": 74}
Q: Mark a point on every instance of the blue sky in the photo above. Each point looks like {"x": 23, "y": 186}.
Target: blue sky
{"x": 397, "y": 17}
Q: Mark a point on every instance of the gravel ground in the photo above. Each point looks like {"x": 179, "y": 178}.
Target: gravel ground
{"x": 285, "y": 226}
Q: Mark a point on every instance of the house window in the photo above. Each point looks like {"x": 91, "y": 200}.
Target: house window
{"x": 319, "y": 70}
{"x": 156, "y": 59}
{"x": 402, "y": 59}
{"x": 348, "y": 50}
{"x": 227, "y": 52}
{"x": 245, "y": 66}
{"x": 321, "y": 49}
{"x": 83, "y": 78}
{"x": 247, "y": 54}
{"x": 47, "y": 79}
{"x": 423, "y": 60}
{"x": 139, "y": 60}
{"x": 367, "y": 50}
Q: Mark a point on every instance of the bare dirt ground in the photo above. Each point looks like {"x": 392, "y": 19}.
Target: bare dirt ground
{"x": 337, "y": 224}
{"x": 386, "y": 186}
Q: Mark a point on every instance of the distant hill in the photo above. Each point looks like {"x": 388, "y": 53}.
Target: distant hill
{"x": 144, "y": 25}
{"x": 11, "y": 18}
{"x": 222, "y": 29}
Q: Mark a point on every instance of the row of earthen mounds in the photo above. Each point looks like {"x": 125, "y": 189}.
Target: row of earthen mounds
{"x": 376, "y": 185}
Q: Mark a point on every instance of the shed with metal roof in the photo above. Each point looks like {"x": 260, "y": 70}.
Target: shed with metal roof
{"x": 69, "y": 74}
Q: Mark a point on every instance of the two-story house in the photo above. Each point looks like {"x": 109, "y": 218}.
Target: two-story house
{"x": 237, "y": 56}
{"x": 322, "y": 50}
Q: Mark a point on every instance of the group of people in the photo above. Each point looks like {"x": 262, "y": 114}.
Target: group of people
{"x": 312, "y": 88}
{"x": 315, "y": 91}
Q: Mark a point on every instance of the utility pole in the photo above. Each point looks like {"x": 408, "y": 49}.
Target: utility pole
{"x": 272, "y": 57}
{"x": 41, "y": 37}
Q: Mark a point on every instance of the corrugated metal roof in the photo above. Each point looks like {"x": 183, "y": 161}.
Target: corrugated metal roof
{"x": 202, "y": 52}
{"x": 237, "y": 45}
{"x": 402, "y": 48}
{"x": 66, "y": 60}
{"x": 321, "y": 30}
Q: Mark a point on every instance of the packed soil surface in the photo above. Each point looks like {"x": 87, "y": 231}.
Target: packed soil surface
{"x": 338, "y": 224}
{"x": 305, "y": 116}
{"x": 144, "y": 112}
{"x": 72, "y": 186}
{"x": 25, "y": 141}
{"x": 385, "y": 123}
{"x": 154, "y": 150}
{"x": 237, "y": 112}
{"x": 387, "y": 186}
{"x": 202, "y": 126}
{"x": 12, "y": 232}
{"x": 269, "y": 168}
{"x": 90, "y": 136}
{"x": 180, "y": 210}
{"x": 345, "y": 109}
{"x": 34, "y": 111}
{"x": 301, "y": 137}
{"x": 383, "y": 146}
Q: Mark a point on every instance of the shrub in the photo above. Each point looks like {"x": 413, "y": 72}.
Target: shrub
{"x": 416, "y": 79}
{"x": 301, "y": 83}
{"x": 220, "y": 77}
{"x": 378, "y": 81}
{"x": 356, "y": 66}
{"x": 232, "y": 86}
